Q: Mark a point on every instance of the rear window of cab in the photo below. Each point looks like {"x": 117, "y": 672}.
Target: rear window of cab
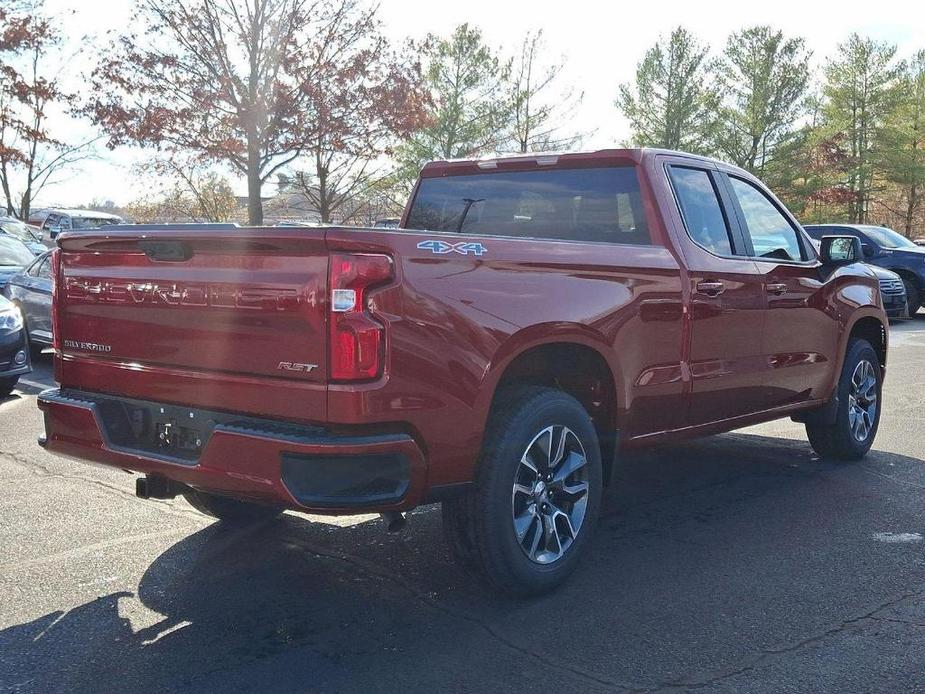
{"x": 597, "y": 205}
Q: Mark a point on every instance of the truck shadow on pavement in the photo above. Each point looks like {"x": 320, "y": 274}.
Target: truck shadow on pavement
{"x": 704, "y": 554}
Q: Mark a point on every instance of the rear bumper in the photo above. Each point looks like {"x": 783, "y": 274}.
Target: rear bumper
{"x": 304, "y": 468}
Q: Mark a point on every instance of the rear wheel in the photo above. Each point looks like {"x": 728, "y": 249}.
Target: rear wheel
{"x": 858, "y": 415}
{"x": 535, "y": 503}
{"x": 7, "y": 385}
{"x": 913, "y": 296}
{"x": 230, "y": 510}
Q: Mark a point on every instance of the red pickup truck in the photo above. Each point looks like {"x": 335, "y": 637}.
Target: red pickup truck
{"x": 529, "y": 319}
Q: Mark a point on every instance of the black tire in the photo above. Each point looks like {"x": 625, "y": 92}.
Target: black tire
{"x": 230, "y": 510}
{"x": 913, "y": 296}
{"x": 841, "y": 441}
{"x": 480, "y": 527}
{"x": 7, "y": 385}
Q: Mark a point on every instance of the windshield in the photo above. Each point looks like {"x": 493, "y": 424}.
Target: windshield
{"x": 13, "y": 252}
{"x": 91, "y": 222}
{"x": 14, "y": 227}
{"x": 887, "y": 238}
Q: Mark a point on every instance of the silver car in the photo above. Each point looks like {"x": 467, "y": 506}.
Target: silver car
{"x": 31, "y": 236}
{"x": 30, "y": 290}
{"x": 75, "y": 220}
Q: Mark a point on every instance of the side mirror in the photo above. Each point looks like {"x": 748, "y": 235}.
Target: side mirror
{"x": 841, "y": 250}
{"x": 869, "y": 251}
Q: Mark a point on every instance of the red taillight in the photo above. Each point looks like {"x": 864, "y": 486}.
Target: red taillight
{"x": 357, "y": 339}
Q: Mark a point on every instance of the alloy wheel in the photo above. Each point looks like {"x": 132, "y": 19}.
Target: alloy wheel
{"x": 862, "y": 400}
{"x": 550, "y": 494}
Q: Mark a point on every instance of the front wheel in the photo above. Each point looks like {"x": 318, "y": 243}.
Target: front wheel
{"x": 530, "y": 516}
{"x": 913, "y": 297}
{"x": 858, "y": 415}
{"x": 7, "y": 385}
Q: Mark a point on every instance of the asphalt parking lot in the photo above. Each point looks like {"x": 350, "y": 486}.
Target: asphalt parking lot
{"x": 738, "y": 563}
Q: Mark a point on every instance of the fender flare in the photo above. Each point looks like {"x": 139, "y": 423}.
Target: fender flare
{"x": 541, "y": 335}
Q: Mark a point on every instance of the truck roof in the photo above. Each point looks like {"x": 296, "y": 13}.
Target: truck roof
{"x": 542, "y": 160}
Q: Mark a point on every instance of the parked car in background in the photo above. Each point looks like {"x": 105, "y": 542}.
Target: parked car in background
{"x": 37, "y": 217}
{"x": 887, "y": 249}
{"x": 14, "y": 351}
{"x": 893, "y": 291}
{"x": 77, "y": 220}
{"x": 892, "y": 288}
{"x": 29, "y": 235}
{"x": 388, "y": 223}
{"x": 14, "y": 258}
{"x": 919, "y": 242}
{"x": 30, "y": 291}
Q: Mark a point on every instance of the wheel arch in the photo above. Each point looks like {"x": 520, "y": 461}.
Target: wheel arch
{"x": 575, "y": 364}
{"x": 872, "y": 329}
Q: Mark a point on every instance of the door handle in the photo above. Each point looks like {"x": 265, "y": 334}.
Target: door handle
{"x": 777, "y": 289}
{"x": 711, "y": 287}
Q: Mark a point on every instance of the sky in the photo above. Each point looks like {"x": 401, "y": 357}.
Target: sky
{"x": 600, "y": 43}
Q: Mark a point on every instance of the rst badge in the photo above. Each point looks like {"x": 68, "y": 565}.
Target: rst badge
{"x": 296, "y": 366}
{"x": 442, "y": 247}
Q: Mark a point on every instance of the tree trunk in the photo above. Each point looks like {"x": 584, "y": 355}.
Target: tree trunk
{"x": 324, "y": 203}
{"x": 910, "y": 209}
{"x": 254, "y": 184}
{"x": 321, "y": 170}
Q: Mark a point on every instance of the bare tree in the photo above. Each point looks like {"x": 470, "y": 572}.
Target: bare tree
{"x": 539, "y": 106}
{"x": 31, "y": 157}
{"x": 191, "y": 192}
{"x": 469, "y": 106}
{"x": 361, "y": 107}
{"x": 232, "y": 80}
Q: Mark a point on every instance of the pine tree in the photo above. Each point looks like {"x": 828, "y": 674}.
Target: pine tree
{"x": 669, "y": 105}
{"x": 470, "y": 113}
{"x": 762, "y": 78}
{"x": 862, "y": 88}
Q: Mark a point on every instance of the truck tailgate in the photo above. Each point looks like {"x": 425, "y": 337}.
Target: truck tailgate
{"x": 186, "y": 315}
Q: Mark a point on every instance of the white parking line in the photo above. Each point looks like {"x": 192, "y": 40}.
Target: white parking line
{"x": 896, "y": 538}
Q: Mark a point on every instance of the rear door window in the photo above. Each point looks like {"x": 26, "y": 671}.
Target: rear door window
{"x": 598, "y": 204}
{"x": 703, "y": 216}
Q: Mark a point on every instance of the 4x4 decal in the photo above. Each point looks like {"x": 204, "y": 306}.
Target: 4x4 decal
{"x": 442, "y": 247}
